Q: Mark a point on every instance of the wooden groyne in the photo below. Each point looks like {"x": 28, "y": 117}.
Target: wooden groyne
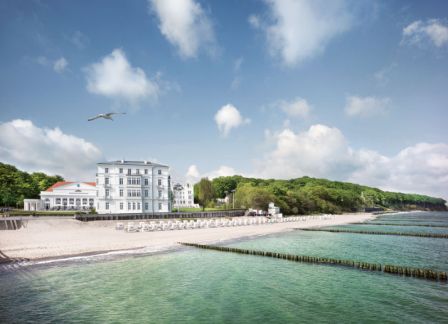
{"x": 391, "y": 224}
{"x": 431, "y": 235}
{"x": 392, "y": 269}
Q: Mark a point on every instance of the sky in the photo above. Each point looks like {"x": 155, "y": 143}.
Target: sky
{"x": 346, "y": 90}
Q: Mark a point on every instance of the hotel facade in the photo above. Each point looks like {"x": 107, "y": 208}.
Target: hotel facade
{"x": 65, "y": 195}
{"x": 133, "y": 187}
{"x": 184, "y": 197}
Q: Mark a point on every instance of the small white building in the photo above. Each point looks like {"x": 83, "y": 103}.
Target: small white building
{"x": 274, "y": 210}
{"x": 65, "y": 195}
{"x": 133, "y": 187}
{"x": 185, "y": 196}
{"x": 32, "y": 204}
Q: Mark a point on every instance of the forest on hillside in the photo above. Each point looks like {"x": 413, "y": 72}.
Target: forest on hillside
{"x": 310, "y": 195}
{"x": 16, "y": 185}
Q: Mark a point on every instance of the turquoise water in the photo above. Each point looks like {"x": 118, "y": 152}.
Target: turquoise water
{"x": 201, "y": 286}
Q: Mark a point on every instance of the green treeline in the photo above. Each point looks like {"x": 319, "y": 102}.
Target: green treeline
{"x": 310, "y": 195}
{"x": 16, "y": 185}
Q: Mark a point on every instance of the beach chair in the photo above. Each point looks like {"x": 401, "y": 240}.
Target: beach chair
{"x": 119, "y": 226}
{"x": 131, "y": 228}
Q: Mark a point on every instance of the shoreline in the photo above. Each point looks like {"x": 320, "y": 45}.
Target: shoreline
{"x": 53, "y": 240}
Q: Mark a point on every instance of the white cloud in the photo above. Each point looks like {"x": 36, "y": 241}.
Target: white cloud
{"x": 229, "y": 117}
{"x": 114, "y": 77}
{"x": 421, "y": 168}
{"x": 42, "y": 60}
{"x": 301, "y": 29}
{"x": 222, "y": 171}
{"x": 79, "y": 40}
{"x": 193, "y": 173}
{"x": 420, "y": 33}
{"x": 60, "y": 65}
{"x": 323, "y": 151}
{"x": 298, "y": 107}
{"x": 382, "y": 76}
{"x": 237, "y": 64}
{"x": 254, "y": 21}
{"x": 366, "y": 106}
{"x": 185, "y": 25}
{"x": 49, "y": 150}
{"x": 236, "y": 82}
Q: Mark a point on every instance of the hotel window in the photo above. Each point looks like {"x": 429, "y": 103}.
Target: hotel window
{"x": 71, "y": 201}
{"x": 146, "y": 206}
{"x": 137, "y": 171}
{"x": 91, "y": 201}
{"x": 146, "y": 171}
{"x": 146, "y": 193}
{"x": 58, "y": 200}
{"x": 160, "y": 193}
{"x": 120, "y": 181}
{"x": 159, "y": 182}
{"x": 129, "y": 206}
{"x": 106, "y": 170}
{"x": 106, "y": 181}
{"x": 138, "y": 206}
{"x": 121, "y": 206}
{"x": 107, "y": 192}
{"x": 121, "y": 170}
{"x": 107, "y": 205}
{"x": 160, "y": 206}
{"x": 84, "y": 201}
{"x": 78, "y": 201}
{"x": 146, "y": 182}
{"x": 159, "y": 171}
{"x": 129, "y": 171}
{"x": 121, "y": 192}
{"x": 133, "y": 181}
{"x": 133, "y": 206}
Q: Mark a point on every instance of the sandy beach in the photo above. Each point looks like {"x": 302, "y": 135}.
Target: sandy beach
{"x": 58, "y": 238}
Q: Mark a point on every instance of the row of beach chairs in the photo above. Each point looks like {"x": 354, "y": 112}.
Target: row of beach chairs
{"x": 132, "y": 227}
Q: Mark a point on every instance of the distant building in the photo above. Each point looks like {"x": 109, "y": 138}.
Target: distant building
{"x": 132, "y": 187}
{"x": 65, "y": 195}
{"x": 185, "y": 196}
{"x": 274, "y": 210}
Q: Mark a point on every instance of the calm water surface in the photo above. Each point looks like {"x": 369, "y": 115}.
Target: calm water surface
{"x": 200, "y": 286}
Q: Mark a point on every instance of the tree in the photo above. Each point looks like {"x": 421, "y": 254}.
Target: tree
{"x": 206, "y": 193}
{"x": 310, "y": 195}
{"x": 16, "y": 185}
{"x": 223, "y": 185}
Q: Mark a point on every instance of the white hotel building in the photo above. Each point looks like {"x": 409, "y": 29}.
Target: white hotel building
{"x": 65, "y": 195}
{"x": 132, "y": 187}
{"x": 184, "y": 197}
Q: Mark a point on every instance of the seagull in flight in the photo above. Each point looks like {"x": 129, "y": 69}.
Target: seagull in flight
{"x": 105, "y": 116}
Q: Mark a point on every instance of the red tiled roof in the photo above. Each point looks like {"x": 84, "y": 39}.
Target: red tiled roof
{"x": 58, "y": 184}
{"x": 63, "y": 183}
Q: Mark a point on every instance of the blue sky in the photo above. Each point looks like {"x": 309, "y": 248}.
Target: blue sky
{"x": 347, "y": 90}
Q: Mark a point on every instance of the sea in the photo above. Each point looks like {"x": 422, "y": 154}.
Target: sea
{"x": 192, "y": 285}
